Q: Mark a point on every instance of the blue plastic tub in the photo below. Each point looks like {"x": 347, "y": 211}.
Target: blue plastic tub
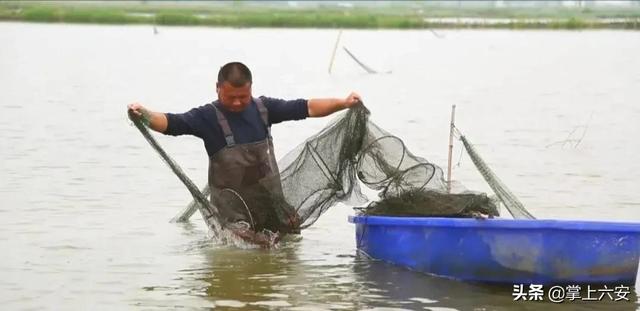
{"x": 505, "y": 250}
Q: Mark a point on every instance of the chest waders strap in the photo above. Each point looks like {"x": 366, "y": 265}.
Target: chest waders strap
{"x": 264, "y": 114}
{"x": 226, "y": 129}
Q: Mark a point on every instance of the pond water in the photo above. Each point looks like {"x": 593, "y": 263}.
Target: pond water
{"x": 85, "y": 202}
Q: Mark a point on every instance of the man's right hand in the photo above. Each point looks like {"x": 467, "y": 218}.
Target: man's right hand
{"x": 136, "y": 111}
{"x": 157, "y": 121}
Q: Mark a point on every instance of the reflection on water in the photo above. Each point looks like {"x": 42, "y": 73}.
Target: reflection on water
{"x": 85, "y": 203}
{"x": 248, "y": 279}
{"x": 403, "y": 285}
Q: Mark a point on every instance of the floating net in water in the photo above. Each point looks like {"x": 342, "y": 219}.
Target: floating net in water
{"x": 330, "y": 167}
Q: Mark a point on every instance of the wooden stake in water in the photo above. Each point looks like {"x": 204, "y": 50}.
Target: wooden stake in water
{"x": 451, "y": 128}
{"x": 333, "y": 55}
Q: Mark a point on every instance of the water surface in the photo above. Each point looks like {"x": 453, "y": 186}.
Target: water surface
{"x": 85, "y": 202}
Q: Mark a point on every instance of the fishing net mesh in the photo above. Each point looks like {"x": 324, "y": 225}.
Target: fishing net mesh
{"x": 331, "y": 166}
{"x": 353, "y": 152}
{"x": 200, "y": 201}
{"x": 508, "y": 199}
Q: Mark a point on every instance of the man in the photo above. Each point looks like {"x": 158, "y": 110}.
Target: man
{"x": 243, "y": 174}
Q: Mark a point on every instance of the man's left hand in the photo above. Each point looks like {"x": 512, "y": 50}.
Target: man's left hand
{"x": 320, "y": 107}
{"x": 352, "y": 100}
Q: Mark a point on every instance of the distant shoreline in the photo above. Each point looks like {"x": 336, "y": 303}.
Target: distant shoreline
{"x": 237, "y": 15}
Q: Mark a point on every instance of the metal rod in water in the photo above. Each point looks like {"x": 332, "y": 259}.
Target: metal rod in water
{"x": 451, "y": 128}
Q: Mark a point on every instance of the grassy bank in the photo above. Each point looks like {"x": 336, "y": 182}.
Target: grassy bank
{"x": 414, "y": 16}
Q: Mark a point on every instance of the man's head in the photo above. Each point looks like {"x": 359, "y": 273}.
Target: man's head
{"x": 234, "y": 86}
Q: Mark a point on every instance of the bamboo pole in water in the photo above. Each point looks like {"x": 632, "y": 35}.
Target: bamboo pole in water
{"x": 333, "y": 55}
{"x": 365, "y": 67}
{"x": 451, "y": 128}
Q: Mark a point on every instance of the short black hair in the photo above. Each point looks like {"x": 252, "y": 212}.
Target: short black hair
{"x": 235, "y": 73}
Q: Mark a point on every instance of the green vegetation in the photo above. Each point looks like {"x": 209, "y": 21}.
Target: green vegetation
{"x": 238, "y": 14}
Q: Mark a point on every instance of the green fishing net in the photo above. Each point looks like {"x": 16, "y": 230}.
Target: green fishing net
{"x": 350, "y": 153}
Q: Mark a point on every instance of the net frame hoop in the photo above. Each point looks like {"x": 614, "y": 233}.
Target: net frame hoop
{"x": 427, "y": 180}
{"x": 369, "y": 146}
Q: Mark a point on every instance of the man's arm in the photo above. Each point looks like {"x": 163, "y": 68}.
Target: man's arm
{"x": 156, "y": 121}
{"x": 320, "y": 107}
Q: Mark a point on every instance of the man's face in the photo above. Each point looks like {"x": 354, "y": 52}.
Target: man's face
{"x": 234, "y": 99}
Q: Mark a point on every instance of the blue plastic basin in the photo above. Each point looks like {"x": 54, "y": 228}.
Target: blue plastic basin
{"x": 506, "y": 250}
